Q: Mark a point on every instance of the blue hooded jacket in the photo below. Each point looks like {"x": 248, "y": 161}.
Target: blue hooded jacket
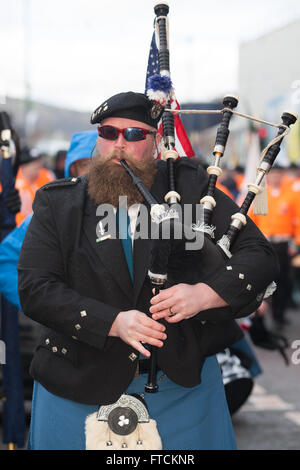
{"x": 81, "y": 146}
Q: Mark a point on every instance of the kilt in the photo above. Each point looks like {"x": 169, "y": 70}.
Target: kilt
{"x": 187, "y": 418}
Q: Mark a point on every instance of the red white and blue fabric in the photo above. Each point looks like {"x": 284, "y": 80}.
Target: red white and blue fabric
{"x": 182, "y": 143}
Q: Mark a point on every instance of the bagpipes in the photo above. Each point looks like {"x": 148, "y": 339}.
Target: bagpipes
{"x": 170, "y": 263}
{"x": 126, "y": 424}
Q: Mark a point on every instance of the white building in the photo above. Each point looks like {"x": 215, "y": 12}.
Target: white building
{"x": 269, "y": 81}
{"x": 269, "y": 69}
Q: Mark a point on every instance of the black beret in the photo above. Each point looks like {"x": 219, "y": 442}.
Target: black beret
{"x": 128, "y": 105}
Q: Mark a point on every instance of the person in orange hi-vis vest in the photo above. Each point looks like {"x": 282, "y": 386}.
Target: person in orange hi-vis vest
{"x": 225, "y": 190}
{"x": 293, "y": 181}
{"x": 279, "y": 227}
{"x": 31, "y": 176}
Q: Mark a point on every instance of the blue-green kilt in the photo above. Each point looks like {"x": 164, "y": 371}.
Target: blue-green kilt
{"x": 187, "y": 418}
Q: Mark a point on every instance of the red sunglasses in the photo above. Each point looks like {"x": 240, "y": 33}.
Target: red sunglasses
{"x": 131, "y": 134}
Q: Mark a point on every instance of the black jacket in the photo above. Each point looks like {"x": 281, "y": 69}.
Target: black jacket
{"x": 76, "y": 287}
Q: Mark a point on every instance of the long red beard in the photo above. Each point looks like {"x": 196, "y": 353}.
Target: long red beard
{"x": 108, "y": 180}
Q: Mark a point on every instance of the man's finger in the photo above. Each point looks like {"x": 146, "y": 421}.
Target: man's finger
{"x": 139, "y": 347}
{"x": 154, "y": 334}
{"x": 163, "y": 305}
{"x": 163, "y": 295}
{"x": 161, "y": 314}
{"x": 175, "y": 318}
{"x": 152, "y": 324}
{"x": 166, "y": 315}
{"x": 150, "y": 340}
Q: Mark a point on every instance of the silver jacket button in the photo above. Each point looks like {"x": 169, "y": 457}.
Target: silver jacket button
{"x": 132, "y": 357}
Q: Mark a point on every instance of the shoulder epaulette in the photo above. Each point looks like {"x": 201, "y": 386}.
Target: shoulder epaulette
{"x": 61, "y": 183}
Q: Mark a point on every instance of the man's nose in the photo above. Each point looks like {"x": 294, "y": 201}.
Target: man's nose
{"x": 120, "y": 142}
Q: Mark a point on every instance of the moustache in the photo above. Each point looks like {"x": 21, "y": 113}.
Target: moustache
{"x": 110, "y": 161}
{"x": 119, "y": 156}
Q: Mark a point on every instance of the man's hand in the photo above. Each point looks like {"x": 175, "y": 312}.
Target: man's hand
{"x": 135, "y": 327}
{"x": 185, "y": 301}
{"x": 13, "y": 201}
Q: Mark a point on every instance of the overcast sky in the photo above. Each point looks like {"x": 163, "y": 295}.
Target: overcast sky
{"x": 77, "y": 53}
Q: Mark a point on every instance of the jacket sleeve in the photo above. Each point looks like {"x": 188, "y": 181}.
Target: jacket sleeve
{"x": 10, "y": 249}
{"x": 44, "y": 295}
{"x": 252, "y": 267}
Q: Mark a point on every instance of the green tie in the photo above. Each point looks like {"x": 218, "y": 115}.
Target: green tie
{"x": 123, "y": 223}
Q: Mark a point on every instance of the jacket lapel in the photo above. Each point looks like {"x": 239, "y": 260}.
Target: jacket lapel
{"x": 109, "y": 251}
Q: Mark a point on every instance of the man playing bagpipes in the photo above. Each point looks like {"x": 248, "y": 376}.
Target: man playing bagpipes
{"x": 89, "y": 288}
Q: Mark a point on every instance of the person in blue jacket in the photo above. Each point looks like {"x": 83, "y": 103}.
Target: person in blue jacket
{"x": 79, "y": 153}
{"x": 76, "y": 164}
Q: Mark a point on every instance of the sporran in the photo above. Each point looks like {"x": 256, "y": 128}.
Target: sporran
{"x": 123, "y": 425}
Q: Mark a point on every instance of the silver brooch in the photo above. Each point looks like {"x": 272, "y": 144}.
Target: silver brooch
{"x": 102, "y": 234}
{"x": 155, "y": 110}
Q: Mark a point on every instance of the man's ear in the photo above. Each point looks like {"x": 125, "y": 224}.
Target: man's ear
{"x": 158, "y": 138}
{"x": 73, "y": 169}
{"x": 157, "y": 141}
